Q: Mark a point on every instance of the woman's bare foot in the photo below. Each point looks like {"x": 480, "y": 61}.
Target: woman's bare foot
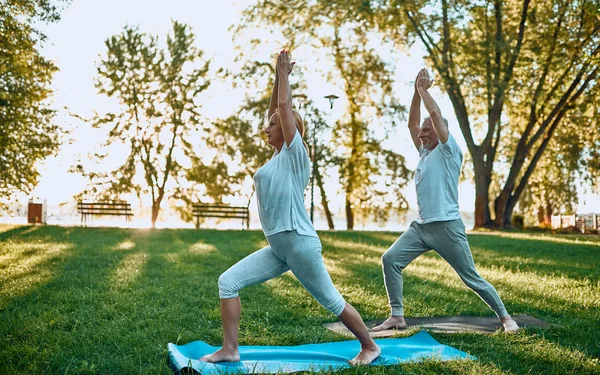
{"x": 222, "y": 355}
{"x": 366, "y": 356}
{"x": 510, "y": 326}
{"x": 393, "y": 322}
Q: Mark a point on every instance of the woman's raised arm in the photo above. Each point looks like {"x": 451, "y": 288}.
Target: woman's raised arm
{"x": 284, "y": 97}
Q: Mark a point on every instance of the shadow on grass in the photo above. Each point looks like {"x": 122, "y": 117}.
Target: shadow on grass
{"x": 543, "y": 257}
{"x": 196, "y": 282}
{"x": 116, "y": 297}
{"x": 41, "y": 325}
{"x": 16, "y": 232}
{"x": 580, "y": 264}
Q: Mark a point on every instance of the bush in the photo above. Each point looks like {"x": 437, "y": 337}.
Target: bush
{"x": 518, "y": 221}
{"x": 568, "y": 230}
{"x": 540, "y": 229}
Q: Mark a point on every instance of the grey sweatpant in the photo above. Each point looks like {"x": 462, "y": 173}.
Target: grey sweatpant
{"x": 286, "y": 251}
{"x": 447, "y": 238}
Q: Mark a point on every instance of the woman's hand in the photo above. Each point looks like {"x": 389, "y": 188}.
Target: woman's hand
{"x": 283, "y": 62}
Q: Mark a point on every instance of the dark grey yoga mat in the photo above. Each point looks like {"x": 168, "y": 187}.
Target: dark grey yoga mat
{"x": 445, "y": 324}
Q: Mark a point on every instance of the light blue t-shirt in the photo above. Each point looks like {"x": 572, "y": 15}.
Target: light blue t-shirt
{"x": 436, "y": 179}
{"x": 280, "y": 185}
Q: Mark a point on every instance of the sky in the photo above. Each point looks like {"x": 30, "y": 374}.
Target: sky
{"x": 76, "y": 42}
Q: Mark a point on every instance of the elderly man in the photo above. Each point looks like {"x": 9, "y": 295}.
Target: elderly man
{"x": 438, "y": 225}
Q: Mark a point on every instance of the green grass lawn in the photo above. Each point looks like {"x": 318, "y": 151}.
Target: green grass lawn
{"x": 107, "y": 301}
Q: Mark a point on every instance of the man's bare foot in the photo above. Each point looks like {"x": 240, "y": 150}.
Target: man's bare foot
{"x": 510, "y": 326}
{"x": 366, "y": 356}
{"x": 222, "y": 355}
{"x": 393, "y": 322}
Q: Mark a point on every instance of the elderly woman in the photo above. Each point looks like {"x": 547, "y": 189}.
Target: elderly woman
{"x": 293, "y": 242}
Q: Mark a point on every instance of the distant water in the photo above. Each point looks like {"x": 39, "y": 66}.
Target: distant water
{"x": 139, "y": 221}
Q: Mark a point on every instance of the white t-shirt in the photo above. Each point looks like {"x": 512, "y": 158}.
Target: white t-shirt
{"x": 280, "y": 185}
{"x": 436, "y": 179}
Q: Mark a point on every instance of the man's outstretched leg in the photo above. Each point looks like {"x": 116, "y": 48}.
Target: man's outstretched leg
{"x": 451, "y": 242}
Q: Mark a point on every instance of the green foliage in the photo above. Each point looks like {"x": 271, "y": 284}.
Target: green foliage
{"x": 27, "y": 131}
{"x": 157, "y": 91}
{"x": 108, "y": 300}
{"x": 553, "y": 130}
{"x": 552, "y": 188}
{"x": 372, "y": 177}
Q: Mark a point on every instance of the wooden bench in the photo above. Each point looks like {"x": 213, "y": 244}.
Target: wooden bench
{"x": 103, "y": 208}
{"x": 221, "y": 211}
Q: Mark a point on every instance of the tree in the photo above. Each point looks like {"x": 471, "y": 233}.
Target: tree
{"x": 157, "y": 92}
{"x": 322, "y": 154}
{"x": 553, "y": 186}
{"x": 27, "y": 131}
{"x": 532, "y": 61}
{"x": 571, "y": 157}
{"x": 367, "y": 86}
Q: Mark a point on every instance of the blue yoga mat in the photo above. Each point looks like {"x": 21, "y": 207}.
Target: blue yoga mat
{"x": 310, "y": 357}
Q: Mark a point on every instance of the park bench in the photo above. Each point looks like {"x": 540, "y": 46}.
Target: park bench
{"x": 103, "y": 208}
{"x": 220, "y": 211}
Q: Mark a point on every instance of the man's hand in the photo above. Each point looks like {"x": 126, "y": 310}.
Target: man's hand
{"x": 423, "y": 80}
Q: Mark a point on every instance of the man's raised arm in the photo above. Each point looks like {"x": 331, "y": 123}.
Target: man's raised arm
{"x": 414, "y": 116}
{"x": 424, "y": 82}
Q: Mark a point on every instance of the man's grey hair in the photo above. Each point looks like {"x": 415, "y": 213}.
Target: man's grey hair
{"x": 427, "y": 118}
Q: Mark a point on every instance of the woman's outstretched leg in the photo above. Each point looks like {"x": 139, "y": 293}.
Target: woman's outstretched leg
{"x": 306, "y": 262}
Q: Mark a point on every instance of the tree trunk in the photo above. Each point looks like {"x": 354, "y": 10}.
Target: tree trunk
{"x": 549, "y": 212}
{"x": 508, "y": 212}
{"x": 156, "y": 209}
{"x": 482, "y": 198}
{"x": 500, "y": 209}
{"x": 324, "y": 201}
{"x": 541, "y": 215}
{"x": 349, "y": 214}
{"x": 350, "y": 188}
